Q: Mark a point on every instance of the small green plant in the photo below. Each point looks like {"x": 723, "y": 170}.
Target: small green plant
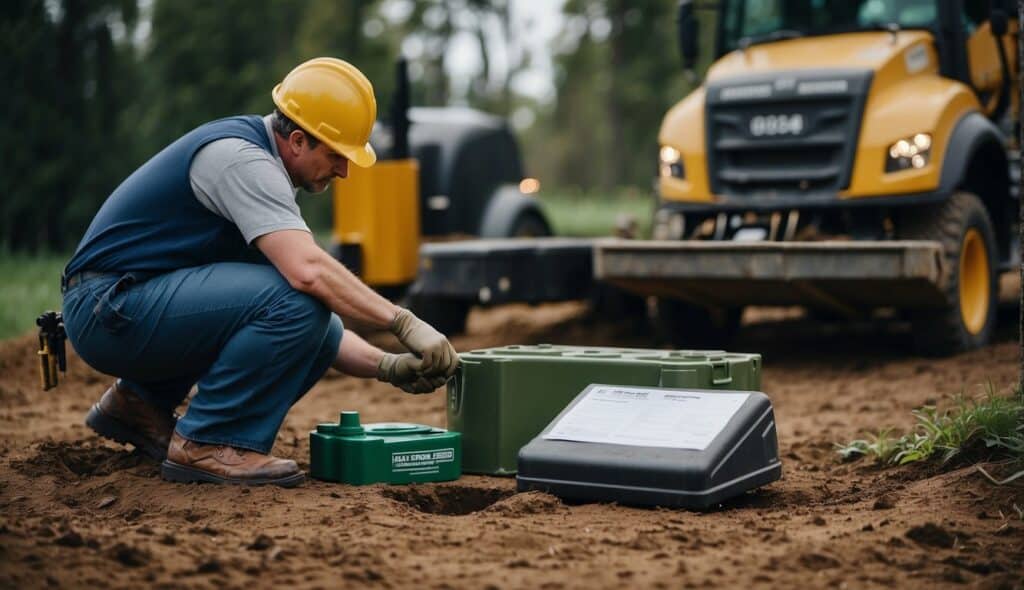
{"x": 990, "y": 422}
{"x": 879, "y": 445}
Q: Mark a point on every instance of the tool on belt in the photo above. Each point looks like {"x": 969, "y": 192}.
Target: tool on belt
{"x": 51, "y": 348}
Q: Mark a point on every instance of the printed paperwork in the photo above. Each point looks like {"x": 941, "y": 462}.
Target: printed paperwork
{"x": 641, "y": 416}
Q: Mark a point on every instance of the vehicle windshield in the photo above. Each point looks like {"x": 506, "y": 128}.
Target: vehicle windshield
{"x": 746, "y": 22}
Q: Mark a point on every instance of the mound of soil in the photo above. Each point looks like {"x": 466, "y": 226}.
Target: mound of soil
{"x": 74, "y": 458}
{"x": 78, "y": 511}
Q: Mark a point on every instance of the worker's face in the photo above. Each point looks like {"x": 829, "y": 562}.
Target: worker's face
{"x": 313, "y": 168}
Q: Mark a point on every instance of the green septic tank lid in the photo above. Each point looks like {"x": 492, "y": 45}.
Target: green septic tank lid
{"x": 348, "y": 425}
{"x": 391, "y": 452}
{"x": 397, "y": 429}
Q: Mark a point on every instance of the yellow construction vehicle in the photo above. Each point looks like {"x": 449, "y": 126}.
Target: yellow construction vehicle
{"x": 848, "y": 155}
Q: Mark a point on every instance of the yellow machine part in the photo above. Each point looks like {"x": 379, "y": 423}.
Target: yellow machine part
{"x": 901, "y": 103}
{"x": 377, "y": 209}
{"x": 974, "y": 282}
{"x": 683, "y": 129}
{"x": 986, "y": 73}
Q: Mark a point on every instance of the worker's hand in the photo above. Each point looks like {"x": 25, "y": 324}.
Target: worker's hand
{"x": 403, "y": 371}
{"x": 439, "y": 357}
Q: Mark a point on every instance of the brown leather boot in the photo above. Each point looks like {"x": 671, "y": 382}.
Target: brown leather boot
{"x": 123, "y": 416}
{"x": 189, "y": 461}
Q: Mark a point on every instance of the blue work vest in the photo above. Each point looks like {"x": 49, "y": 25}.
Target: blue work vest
{"x": 153, "y": 222}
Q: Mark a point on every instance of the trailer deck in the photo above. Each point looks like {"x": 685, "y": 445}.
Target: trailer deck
{"x": 845, "y": 276}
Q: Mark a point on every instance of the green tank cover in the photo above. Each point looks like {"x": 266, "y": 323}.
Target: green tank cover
{"x": 502, "y": 397}
{"x": 388, "y": 452}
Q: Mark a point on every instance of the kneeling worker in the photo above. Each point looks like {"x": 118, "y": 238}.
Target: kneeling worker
{"x": 199, "y": 270}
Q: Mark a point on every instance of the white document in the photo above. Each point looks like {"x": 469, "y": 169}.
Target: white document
{"x": 645, "y": 417}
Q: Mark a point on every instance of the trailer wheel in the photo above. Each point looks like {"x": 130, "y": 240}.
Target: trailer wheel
{"x": 687, "y": 326}
{"x": 966, "y": 318}
{"x": 529, "y": 224}
{"x": 445, "y": 314}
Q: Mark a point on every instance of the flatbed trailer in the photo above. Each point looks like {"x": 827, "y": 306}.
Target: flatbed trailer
{"x": 454, "y": 276}
{"x": 847, "y": 277}
{"x": 506, "y": 270}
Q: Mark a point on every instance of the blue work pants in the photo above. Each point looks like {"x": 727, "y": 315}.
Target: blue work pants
{"x": 251, "y": 343}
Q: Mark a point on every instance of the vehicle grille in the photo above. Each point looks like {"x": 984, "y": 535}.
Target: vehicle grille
{"x": 817, "y": 158}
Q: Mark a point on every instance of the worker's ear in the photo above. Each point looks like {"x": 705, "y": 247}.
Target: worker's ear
{"x": 296, "y": 141}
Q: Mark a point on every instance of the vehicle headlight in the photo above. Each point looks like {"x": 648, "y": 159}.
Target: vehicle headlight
{"x": 910, "y": 153}
{"x": 670, "y": 162}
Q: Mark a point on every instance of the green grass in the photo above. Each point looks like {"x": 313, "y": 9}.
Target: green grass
{"x": 582, "y": 214}
{"x": 30, "y": 286}
{"x": 990, "y": 423}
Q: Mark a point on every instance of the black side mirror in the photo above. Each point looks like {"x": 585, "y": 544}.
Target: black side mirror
{"x": 999, "y": 22}
{"x": 688, "y": 34}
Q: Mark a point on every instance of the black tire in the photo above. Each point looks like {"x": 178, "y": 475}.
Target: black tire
{"x": 687, "y": 326}
{"x": 447, "y": 315}
{"x": 529, "y": 224}
{"x": 966, "y": 318}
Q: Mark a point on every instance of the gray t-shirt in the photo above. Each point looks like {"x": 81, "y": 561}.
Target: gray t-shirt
{"x": 246, "y": 185}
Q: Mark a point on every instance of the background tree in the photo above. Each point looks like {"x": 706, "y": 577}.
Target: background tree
{"x": 617, "y": 72}
{"x": 352, "y": 30}
{"x": 206, "y": 60}
{"x": 66, "y": 149}
{"x": 1020, "y": 206}
{"x": 102, "y": 87}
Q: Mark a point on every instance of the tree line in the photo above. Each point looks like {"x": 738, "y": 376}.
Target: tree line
{"x": 98, "y": 86}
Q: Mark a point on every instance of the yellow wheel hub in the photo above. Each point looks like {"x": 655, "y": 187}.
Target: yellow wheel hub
{"x": 975, "y": 282}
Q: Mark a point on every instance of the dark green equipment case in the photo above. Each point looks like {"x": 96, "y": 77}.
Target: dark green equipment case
{"x": 502, "y": 397}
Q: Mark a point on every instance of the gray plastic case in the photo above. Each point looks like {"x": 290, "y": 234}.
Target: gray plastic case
{"x": 743, "y": 456}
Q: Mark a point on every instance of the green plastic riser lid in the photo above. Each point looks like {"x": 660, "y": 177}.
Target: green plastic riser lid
{"x": 389, "y": 452}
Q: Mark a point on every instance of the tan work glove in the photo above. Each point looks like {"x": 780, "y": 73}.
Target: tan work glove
{"x": 439, "y": 356}
{"x": 402, "y": 371}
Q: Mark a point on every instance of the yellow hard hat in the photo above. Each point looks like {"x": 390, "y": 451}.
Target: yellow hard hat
{"x": 332, "y": 101}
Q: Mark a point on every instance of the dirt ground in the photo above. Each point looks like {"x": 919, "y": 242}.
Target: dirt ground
{"x": 76, "y": 511}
